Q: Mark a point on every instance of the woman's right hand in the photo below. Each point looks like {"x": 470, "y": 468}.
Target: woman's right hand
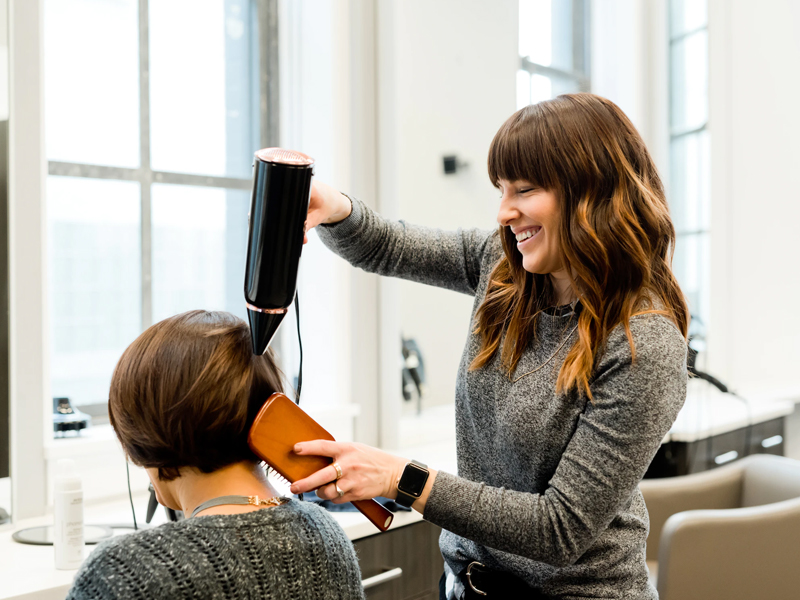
{"x": 326, "y": 205}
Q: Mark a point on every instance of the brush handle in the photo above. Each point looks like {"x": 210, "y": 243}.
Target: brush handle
{"x": 377, "y": 514}
{"x": 279, "y": 425}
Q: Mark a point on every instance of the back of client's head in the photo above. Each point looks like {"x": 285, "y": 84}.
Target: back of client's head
{"x": 186, "y": 391}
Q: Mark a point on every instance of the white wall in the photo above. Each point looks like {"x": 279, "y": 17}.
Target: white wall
{"x": 447, "y": 80}
{"x": 311, "y": 74}
{"x": 755, "y": 127}
{"x": 329, "y": 110}
{"x": 629, "y": 66}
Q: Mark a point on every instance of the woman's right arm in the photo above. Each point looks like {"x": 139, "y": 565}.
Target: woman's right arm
{"x": 447, "y": 259}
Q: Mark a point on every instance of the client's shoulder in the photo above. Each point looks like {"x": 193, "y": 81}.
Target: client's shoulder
{"x": 205, "y": 553}
{"x": 132, "y": 546}
{"x": 106, "y": 573}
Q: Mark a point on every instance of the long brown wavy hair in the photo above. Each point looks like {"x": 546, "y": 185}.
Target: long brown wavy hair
{"x": 617, "y": 237}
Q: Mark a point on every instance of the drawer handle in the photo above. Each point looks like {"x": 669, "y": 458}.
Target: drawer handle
{"x": 771, "y": 441}
{"x": 382, "y": 578}
{"x": 726, "y": 457}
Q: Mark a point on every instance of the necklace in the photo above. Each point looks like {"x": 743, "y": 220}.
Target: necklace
{"x": 569, "y": 335}
{"x": 241, "y": 500}
{"x": 571, "y": 306}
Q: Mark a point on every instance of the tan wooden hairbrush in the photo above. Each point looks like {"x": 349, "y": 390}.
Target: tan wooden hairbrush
{"x": 279, "y": 425}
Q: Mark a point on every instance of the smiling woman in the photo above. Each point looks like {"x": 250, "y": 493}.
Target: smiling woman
{"x": 608, "y": 239}
{"x": 574, "y": 370}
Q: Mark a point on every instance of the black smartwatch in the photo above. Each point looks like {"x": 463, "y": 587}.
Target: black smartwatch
{"x": 411, "y": 483}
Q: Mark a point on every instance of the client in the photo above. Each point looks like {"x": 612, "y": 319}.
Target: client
{"x": 183, "y": 397}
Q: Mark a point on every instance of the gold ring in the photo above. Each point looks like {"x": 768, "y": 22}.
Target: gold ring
{"x": 339, "y": 490}
{"x": 338, "y": 471}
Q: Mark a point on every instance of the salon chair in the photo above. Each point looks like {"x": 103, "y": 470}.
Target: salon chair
{"x": 731, "y": 533}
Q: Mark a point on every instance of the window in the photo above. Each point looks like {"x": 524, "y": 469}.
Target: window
{"x": 689, "y": 192}
{"x": 153, "y": 112}
{"x": 553, "y": 47}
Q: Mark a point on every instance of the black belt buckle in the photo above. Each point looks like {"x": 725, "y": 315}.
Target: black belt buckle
{"x": 474, "y": 565}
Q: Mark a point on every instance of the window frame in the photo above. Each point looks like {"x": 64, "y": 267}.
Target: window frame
{"x": 33, "y": 450}
{"x": 268, "y": 93}
{"x": 581, "y": 45}
{"x": 676, "y": 135}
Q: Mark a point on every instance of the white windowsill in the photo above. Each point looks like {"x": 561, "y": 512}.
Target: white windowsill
{"x": 101, "y": 462}
{"x": 101, "y": 438}
{"x": 94, "y": 439}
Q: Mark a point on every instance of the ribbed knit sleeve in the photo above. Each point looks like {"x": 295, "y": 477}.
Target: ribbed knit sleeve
{"x": 617, "y": 435}
{"x": 446, "y": 259}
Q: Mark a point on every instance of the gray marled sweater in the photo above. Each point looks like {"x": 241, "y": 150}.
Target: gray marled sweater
{"x": 292, "y": 551}
{"x": 547, "y": 482}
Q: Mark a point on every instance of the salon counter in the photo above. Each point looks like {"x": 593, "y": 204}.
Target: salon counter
{"x": 27, "y": 572}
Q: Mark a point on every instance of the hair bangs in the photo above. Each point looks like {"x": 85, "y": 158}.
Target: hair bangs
{"x": 522, "y": 151}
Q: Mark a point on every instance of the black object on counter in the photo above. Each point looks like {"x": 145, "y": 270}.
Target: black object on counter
{"x": 68, "y": 418}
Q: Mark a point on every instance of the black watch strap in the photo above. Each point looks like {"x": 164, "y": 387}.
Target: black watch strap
{"x": 411, "y": 483}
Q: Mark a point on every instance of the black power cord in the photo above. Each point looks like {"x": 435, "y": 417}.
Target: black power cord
{"x": 300, "y": 367}
{"x": 130, "y": 495}
{"x": 300, "y": 342}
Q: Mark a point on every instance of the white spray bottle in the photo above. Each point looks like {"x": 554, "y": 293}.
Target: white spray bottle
{"x": 68, "y": 509}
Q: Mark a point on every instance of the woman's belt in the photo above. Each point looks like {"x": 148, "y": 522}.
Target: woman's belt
{"x": 481, "y": 583}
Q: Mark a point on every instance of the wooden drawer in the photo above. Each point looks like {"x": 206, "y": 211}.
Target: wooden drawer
{"x": 415, "y": 550}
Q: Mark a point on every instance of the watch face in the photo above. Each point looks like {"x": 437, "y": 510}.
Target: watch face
{"x": 413, "y": 480}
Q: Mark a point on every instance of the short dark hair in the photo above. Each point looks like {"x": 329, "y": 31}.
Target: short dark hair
{"x": 186, "y": 391}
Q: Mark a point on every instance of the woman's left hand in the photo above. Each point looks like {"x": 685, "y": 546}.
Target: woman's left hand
{"x": 366, "y": 471}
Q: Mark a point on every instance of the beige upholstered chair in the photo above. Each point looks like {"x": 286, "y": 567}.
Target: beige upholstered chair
{"x": 731, "y": 533}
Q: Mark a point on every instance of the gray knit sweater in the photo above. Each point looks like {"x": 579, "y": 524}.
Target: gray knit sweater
{"x": 292, "y": 551}
{"x": 547, "y": 482}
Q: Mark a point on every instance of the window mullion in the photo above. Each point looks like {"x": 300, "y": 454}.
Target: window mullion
{"x": 145, "y": 167}
{"x": 552, "y": 72}
{"x": 680, "y": 133}
{"x": 67, "y": 169}
{"x": 269, "y": 90}
{"x": 580, "y": 58}
{"x": 694, "y": 259}
{"x": 682, "y": 36}
{"x": 228, "y": 183}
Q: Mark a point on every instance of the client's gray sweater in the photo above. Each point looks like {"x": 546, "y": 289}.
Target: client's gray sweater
{"x": 292, "y": 551}
{"x": 547, "y": 482}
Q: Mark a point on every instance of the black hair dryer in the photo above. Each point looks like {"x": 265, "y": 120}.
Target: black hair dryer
{"x": 278, "y": 210}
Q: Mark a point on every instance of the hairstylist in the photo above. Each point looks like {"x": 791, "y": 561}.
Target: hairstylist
{"x": 574, "y": 369}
